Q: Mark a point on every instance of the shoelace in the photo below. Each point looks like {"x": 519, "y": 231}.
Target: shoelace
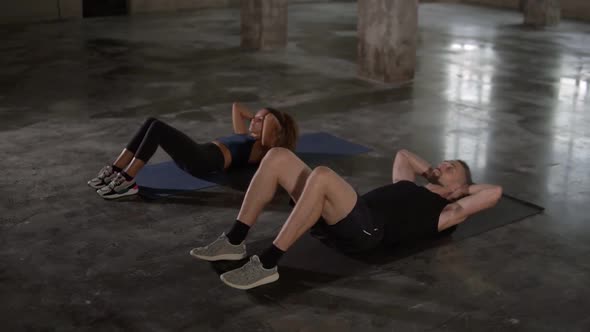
{"x": 104, "y": 172}
{"x": 117, "y": 181}
{"x": 249, "y": 266}
{"x": 212, "y": 244}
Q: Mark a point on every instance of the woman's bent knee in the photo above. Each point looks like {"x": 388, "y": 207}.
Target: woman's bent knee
{"x": 278, "y": 155}
{"x": 279, "y": 152}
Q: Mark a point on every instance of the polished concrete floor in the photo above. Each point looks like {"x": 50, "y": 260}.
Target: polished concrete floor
{"x": 512, "y": 102}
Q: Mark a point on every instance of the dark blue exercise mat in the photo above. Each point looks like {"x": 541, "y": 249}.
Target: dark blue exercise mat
{"x": 168, "y": 176}
{"x": 327, "y": 144}
{"x": 165, "y": 179}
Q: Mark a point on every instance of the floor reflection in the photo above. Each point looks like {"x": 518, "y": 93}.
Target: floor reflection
{"x": 571, "y": 141}
{"x": 469, "y": 80}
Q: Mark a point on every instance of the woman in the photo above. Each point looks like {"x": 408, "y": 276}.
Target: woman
{"x": 398, "y": 212}
{"x": 268, "y": 128}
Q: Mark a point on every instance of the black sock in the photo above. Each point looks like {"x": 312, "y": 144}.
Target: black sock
{"x": 270, "y": 257}
{"x": 237, "y": 234}
{"x": 126, "y": 176}
{"x": 116, "y": 169}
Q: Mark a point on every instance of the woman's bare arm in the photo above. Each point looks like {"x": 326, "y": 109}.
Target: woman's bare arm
{"x": 239, "y": 114}
{"x": 407, "y": 165}
{"x": 480, "y": 197}
{"x": 270, "y": 129}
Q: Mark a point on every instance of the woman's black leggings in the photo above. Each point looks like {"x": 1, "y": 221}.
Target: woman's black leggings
{"x": 197, "y": 159}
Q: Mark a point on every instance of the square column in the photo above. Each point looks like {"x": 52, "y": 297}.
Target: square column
{"x": 70, "y": 9}
{"x": 263, "y": 24}
{"x": 542, "y": 13}
{"x": 387, "y": 38}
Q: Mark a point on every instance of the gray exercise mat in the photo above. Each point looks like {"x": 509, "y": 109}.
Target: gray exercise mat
{"x": 310, "y": 258}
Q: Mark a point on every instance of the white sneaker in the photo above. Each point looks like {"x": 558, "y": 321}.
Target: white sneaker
{"x": 106, "y": 175}
{"x": 118, "y": 187}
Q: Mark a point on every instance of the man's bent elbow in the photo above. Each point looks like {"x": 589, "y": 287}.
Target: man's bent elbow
{"x": 496, "y": 194}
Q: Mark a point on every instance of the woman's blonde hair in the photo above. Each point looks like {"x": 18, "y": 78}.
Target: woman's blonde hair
{"x": 287, "y": 137}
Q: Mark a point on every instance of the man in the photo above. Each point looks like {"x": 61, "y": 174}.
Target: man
{"x": 400, "y": 211}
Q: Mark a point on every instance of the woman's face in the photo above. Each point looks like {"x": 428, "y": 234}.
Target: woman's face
{"x": 256, "y": 123}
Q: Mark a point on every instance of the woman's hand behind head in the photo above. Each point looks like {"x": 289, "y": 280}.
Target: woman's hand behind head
{"x": 257, "y": 124}
{"x": 271, "y": 130}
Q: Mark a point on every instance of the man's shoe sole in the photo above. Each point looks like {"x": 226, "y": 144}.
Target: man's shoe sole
{"x": 224, "y": 257}
{"x": 266, "y": 280}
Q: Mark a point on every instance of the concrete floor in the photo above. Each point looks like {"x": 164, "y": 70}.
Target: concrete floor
{"x": 510, "y": 101}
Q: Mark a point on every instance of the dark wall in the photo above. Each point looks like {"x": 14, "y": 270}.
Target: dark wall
{"x": 93, "y": 8}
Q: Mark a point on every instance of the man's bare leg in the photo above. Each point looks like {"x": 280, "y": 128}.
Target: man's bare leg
{"x": 324, "y": 194}
{"x": 280, "y": 167}
{"x": 318, "y": 193}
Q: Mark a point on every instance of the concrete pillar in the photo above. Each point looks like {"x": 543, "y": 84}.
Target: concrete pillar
{"x": 150, "y": 6}
{"x": 27, "y": 11}
{"x": 201, "y": 4}
{"x": 387, "y": 34}
{"x": 156, "y": 6}
{"x": 263, "y": 24}
{"x": 70, "y": 8}
{"x": 542, "y": 13}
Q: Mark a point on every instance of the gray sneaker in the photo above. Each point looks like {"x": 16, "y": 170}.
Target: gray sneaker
{"x": 104, "y": 177}
{"x": 220, "y": 250}
{"x": 251, "y": 275}
{"x": 118, "y": 187}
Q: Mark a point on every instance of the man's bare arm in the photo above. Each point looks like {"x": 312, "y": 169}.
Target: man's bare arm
{"x": 407, "y": 165}
{"x": 480, "y": 197}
